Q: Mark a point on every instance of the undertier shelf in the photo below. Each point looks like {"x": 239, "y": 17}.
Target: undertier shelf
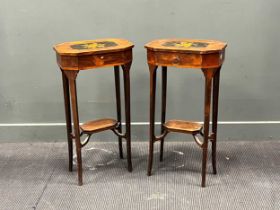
{"x": 98, "y": 125}
{"x": 182, "y": 126}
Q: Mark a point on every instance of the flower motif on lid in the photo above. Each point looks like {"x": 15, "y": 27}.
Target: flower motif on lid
{"x": 185, "y": 44}
{"x": 93, "y": 45}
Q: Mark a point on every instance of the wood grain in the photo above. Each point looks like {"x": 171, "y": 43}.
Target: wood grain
{"x": 91, "y": 47}
{"x": 182, "y": 126}
{"x": 197, "y": 46}
{"x": 207, "y": 55}
{"x": 98, "y": 125}
{"x": 186, "y": 53}
{"x": 72, "y": 57}
{"x": 87, "y": 55}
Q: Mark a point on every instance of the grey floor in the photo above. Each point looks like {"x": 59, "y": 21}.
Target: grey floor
{"x": 35, "y": 176}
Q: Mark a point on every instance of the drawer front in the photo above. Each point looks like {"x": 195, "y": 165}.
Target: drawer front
{"x": 185, "y": 60}
{"x": 108, "y": 59}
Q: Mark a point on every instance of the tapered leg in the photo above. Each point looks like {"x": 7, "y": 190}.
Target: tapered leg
{"x": 216, "y": 85}
{"x": 163, "y": 107}
{"x": 126, "y": 77}
{"x": 68, "y": 119}
{"x": 73, "y": 92}
{"x": 153, "y": 72}
{"x": 208, "y": 73}
{"x": 118, "y": 100}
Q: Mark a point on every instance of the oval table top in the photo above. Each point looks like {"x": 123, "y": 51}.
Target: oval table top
{"x": 89, "y": 47}
{"x": 196, "y": 46}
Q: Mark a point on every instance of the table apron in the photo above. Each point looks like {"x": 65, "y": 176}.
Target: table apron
{"x": 84, "y": 62}
{"x": 185, "y": 60}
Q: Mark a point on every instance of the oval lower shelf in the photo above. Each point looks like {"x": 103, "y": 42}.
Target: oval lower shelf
{"x": 182, "y": 126}
{"x": 98, "y": 125}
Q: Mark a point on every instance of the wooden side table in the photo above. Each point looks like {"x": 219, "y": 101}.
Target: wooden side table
{"x": 82, "y": 55}
{"x": 207, "y": 55}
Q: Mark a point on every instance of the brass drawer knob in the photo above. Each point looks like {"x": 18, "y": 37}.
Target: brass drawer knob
{"x": 176, "y": 60}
